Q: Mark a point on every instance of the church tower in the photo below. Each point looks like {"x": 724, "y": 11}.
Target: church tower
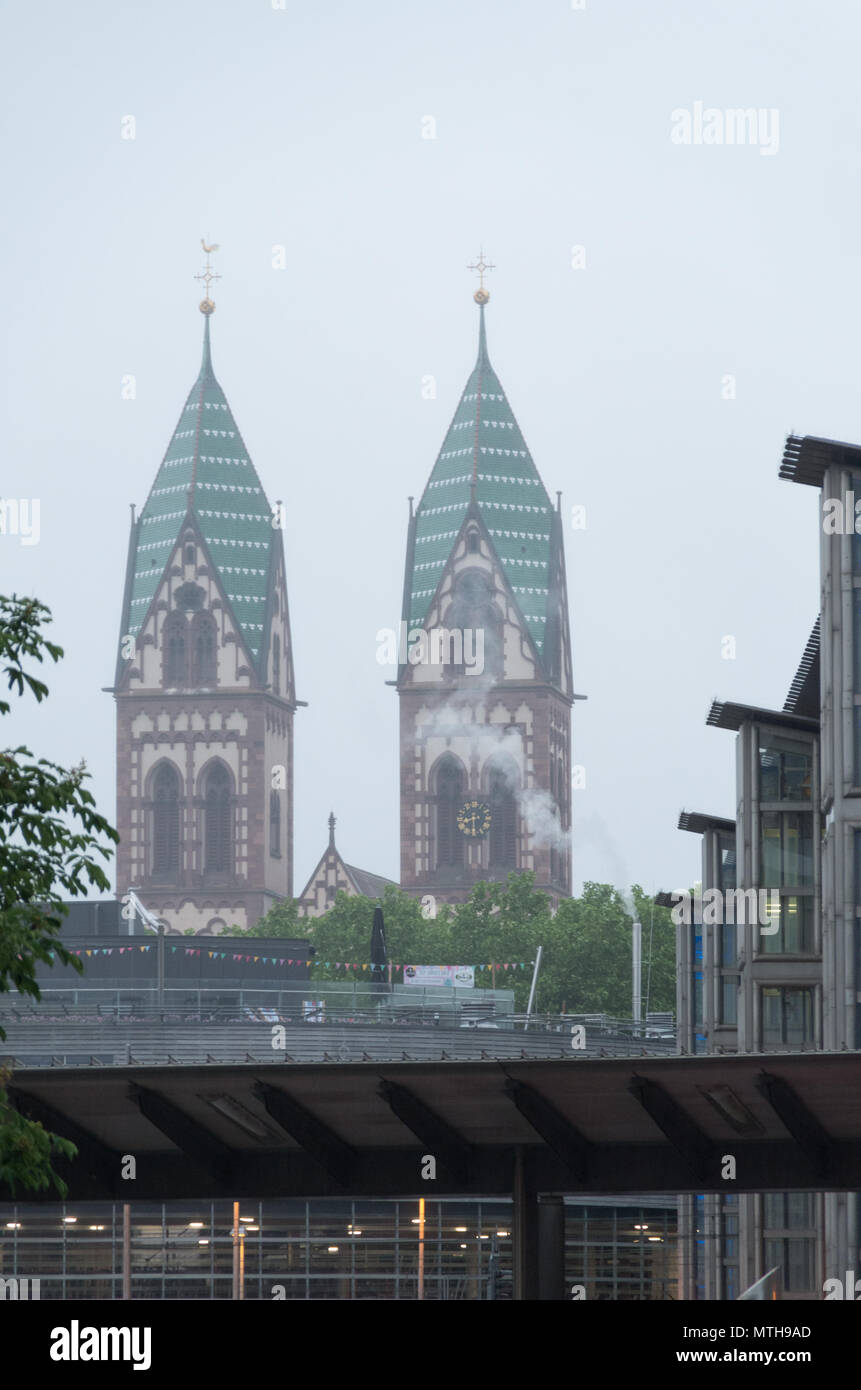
{"x": 204, "y": 682}
{"x": 485, "y": 675}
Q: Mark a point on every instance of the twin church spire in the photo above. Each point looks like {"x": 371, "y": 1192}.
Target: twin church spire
{"x": 204, "y": 685}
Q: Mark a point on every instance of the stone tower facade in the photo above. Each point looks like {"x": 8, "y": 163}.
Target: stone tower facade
{"x": 204, "y": 683}
{"x": 485, "y": 673}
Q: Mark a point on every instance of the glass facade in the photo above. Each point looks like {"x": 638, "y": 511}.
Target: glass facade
{"x": 727, "y": 938}
{"x": 785, "y": 769}
{"x": 787, "y": 1017}
{"x": 729, "y": 1247}
{"x": 339, "y": 1249}
{"x": 789, "y": 1238}
{"x": 786, "y": 861}
{"x": 786, "y": 849}
{"x": 729, "y": 999}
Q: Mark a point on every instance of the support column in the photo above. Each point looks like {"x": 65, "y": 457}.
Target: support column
{"x": 524, "y": 1231}
{"x": 127, "y": 1250}
{"x": 551, "y": 1249}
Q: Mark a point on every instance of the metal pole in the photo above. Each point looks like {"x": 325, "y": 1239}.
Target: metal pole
{"x": 127, "y": 1250}
{"x": 637, "y": 976}
{"x": 161, "y": 966}
{"x": 235, "y": 1250}
{"x": 421, "y": 1247}
{"x": 532, "y": 986}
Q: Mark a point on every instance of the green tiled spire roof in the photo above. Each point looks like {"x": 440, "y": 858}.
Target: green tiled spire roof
{"x": 484, "y": 456}
{"x": 207, "y": 468}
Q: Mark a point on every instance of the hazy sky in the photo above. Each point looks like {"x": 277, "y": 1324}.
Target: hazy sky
{"x": 302, "y": 127}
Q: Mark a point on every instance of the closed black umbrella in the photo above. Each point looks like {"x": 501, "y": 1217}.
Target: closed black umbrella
{"x": 379, "y": 954}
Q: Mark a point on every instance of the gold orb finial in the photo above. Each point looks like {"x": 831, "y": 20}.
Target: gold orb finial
{"x": 207, "y": 306}
{"x": 481, "y": 295}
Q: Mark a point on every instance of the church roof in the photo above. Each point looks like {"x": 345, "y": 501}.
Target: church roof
{"x": 206, "y": 469}
{"x": 485, "y": 453}
{"x": 368, "y": 885}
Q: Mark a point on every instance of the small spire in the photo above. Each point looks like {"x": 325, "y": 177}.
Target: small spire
{"x": 481, "y": 295}
{"x": 331, "y": 829}
{"x": 206, "y": 360}
{"x": 207, "y": 275}
{"x": 482, "y": 340}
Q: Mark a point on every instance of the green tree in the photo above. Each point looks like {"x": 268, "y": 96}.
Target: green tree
{"x": 499, "y": 924}
{"x": 49, "y": 833}
{"x": 589, "y": 958}
{"x": 282, "y": 920}
{"x": 586, "y": 958}
{"x": 344, "y": 934}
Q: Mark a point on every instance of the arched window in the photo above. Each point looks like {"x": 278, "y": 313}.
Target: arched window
{"x": 189, "y": 554}
{"x": 218, "y": 818}
{"x": 473, "y": 613}
{"x": 165, "y": 822}
{"x": 174, "y": 653}
{"x": 502, "y": 781}
{"x": 449, "y": 787}
{"x": 203, "y": 642}
{"x": 472, "y": 542}
{"x": 275, "y": 824}
{"x": 276, "y": 664}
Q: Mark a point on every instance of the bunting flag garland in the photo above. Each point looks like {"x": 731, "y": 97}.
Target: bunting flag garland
{"x": 285, "y": 960}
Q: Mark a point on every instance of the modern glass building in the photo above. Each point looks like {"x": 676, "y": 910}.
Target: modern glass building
{"x": 442, "y": 1250}
{"x": 795, "y": 983}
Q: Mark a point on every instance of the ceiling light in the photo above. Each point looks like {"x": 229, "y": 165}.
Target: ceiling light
{"x": 196, "y": 1225}
{"x": 333, "y": 1249}
{"x": 69, "y": 1220}
{"x": 232, "y": 1110}
{"x": 203, "y": 1241}
{"x": 725, "y": 1101}
{"x": 13, "y": 1225}
{"x": 460, "y": 1228}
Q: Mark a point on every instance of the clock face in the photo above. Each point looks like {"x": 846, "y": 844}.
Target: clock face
{"x": 473, "y": 819}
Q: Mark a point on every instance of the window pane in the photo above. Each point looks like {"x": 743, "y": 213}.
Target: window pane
{"x": 773, "y": 1215}
{"x": 795, "y": 934}
{"x": 727, "y": 862}
{"x": 786, "y": 849}
{"x": 729, "y": 999}
{"x": 771, "y": 1022}
{"x": 799, "y": 1210}
{"x": 728, "y": 943}
{"x": 787, "y": 1017}
{"x": 785, "y": 769}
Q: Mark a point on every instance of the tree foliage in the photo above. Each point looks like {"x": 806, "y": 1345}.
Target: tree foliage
{"x": 586, "y": 958}
{"x": 50, "y": 831}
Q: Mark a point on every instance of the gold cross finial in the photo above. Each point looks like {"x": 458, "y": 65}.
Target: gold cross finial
{"x": 481, "y": 295}
{"x": 207, "y": 306}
